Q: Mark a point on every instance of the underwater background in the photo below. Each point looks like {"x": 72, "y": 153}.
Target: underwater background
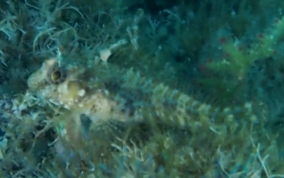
{"x": 148, "y": 88}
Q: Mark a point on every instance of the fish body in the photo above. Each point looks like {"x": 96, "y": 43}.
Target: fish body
{"x": 97, "y": 96}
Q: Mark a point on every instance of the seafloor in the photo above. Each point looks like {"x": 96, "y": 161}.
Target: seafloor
{"x": 151, "y": 88}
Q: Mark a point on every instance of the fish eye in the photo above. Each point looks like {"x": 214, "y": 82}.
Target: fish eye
{"x": 56, "y": 75}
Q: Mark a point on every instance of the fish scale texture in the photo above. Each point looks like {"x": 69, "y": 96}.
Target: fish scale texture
{"x": 125, "y": 96}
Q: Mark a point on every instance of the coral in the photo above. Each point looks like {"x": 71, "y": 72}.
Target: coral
{"x": 238, "y": 60}
{"x": 231, "y": 69}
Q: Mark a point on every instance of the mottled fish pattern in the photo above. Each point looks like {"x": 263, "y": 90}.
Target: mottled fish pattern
{"x": 96, "y": 93}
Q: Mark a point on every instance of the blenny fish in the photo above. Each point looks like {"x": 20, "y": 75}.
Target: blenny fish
{"x": 95, "y": 94}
